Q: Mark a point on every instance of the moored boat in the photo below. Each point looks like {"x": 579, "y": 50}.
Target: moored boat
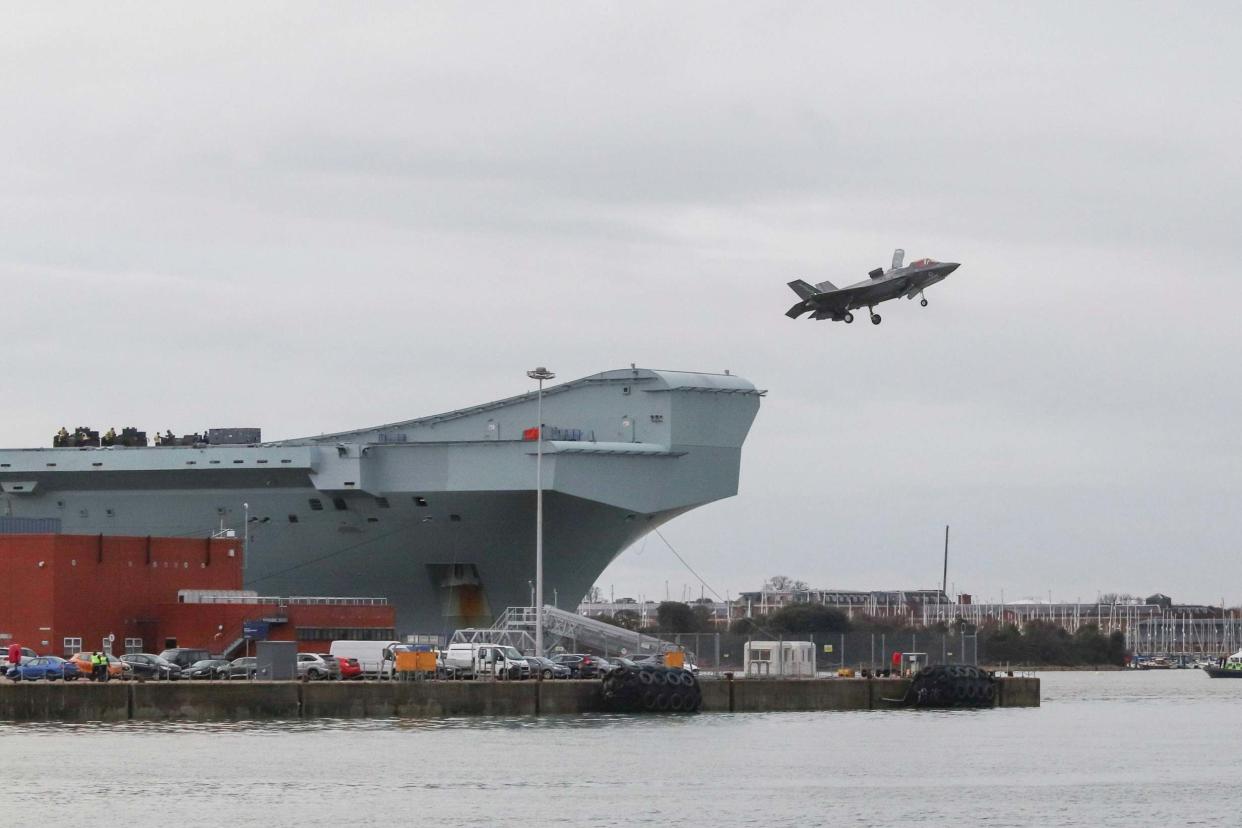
{"x": 1228, "y": 668}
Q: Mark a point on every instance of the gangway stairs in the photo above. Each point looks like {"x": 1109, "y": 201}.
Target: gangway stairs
{"x": 516, "y": 626}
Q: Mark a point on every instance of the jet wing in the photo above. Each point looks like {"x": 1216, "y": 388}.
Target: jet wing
{"x": 798, "y": 309}
{"x": 845, "y": 298}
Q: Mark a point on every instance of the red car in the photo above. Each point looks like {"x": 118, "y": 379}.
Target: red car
{"x": 350, "y": 668}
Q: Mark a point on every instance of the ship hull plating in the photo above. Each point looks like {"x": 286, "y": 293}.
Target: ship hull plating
{"x": 437, "y": 514}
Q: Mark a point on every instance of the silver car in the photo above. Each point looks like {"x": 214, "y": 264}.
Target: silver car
{"x": 313, "y": 667}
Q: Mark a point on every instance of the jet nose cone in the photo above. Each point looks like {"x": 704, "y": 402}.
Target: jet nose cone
{"x": 949, "y": 267}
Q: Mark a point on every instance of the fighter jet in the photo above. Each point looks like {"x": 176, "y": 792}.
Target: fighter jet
{"x": 827, "y": 301}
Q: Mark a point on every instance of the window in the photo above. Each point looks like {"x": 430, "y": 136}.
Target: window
{"x": 133, "y": 646}
{"x": 339, "y": 504}
{"x": 316, "y": 504}
{"x": 346, "y": 633}
{"x": 72, "y": 646}
{"x": 420, "y": 501}
{"x": 293, "y": 518}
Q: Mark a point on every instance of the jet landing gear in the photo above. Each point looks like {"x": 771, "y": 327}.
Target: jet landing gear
{"x": 875, "y": 317}
{"x": 848, "y": 318}
{"x": 922, "y": 299}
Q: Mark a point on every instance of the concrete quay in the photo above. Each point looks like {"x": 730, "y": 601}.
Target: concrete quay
{"x": 242, "y": 700}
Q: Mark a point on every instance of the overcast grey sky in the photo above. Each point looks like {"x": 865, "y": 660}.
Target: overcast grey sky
{"x": 312, "y": 217}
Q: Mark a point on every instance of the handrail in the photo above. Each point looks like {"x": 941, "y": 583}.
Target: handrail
{"x": 285, "y": 601}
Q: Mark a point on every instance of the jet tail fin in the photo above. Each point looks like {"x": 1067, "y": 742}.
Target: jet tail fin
{"x": 804, "y": 289}
{"x": 797, "y": 310}
{"x": 826, "y": 286}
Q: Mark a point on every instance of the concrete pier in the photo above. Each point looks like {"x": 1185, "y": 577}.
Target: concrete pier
{"x": 241, "y": 700}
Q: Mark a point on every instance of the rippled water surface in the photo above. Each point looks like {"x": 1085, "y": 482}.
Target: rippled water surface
{"x": 1136, "y": 749}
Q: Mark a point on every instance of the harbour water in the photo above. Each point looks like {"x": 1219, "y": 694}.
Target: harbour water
{"x": 1132, "y": 748}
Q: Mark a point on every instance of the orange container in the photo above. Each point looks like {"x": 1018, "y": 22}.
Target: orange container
{"x": 675, "y": 659}
{"x": 416, "y": 662}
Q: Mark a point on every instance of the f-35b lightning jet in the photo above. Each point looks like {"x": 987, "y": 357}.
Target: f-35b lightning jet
{"x": 827, "y": 301}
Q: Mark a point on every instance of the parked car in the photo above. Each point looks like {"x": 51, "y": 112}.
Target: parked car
{"x": 350, "y": 668}
{"x": 207, "y": 668}
{"x": 582, "y": 665}
{"x": 313, "y": 667}
{"x": 240, "y": 668}
{"x": 547, "y": 668}
{"x": 48, "y": 668}
{"x": 334, "y": 664}
{"x": 184, "y": 656}
{"x": 116, "y": 667}
{"x": 150, "y": 666}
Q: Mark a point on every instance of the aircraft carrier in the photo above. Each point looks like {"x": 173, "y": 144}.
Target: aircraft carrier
{"x": 436, "y": 513}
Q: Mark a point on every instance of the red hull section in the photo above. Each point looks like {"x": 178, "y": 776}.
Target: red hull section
{"x": 55, "y": 589}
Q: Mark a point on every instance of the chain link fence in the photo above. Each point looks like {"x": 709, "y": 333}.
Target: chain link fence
{"x": 858, "y": 650}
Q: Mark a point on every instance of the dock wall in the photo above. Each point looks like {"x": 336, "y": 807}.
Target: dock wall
{"x": 213, "y": 701}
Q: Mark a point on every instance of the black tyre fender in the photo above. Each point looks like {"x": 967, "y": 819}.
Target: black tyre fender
{"x": 646, "y": 678}
{"x": 649, "y": 700}
{"x": 661, "y": 701}
{"x": 677, "y": 702}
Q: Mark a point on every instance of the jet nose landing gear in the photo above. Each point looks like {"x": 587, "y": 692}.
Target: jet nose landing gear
{"x": 923, "y": 302}
{"x": 848, "y": 318}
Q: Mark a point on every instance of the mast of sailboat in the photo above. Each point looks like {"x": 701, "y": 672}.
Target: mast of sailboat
{"x": 944, "y": 583}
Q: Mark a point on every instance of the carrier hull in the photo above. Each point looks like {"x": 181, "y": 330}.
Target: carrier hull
{"x": 436, "y": 513}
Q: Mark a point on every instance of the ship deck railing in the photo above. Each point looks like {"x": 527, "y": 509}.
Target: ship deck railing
{"x": 297, "y": 600}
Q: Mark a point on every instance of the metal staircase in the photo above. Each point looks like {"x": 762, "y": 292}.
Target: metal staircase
{"x": 516, "y": 627}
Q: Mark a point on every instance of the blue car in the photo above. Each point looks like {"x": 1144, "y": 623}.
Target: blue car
{"x": 45, "y": 667}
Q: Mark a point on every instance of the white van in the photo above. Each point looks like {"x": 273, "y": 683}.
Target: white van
{"x": 500, "y": 660}
{"x": 374, "y": 657}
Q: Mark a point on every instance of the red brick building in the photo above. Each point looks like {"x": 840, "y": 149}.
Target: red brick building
{"x": 63, "y": 593}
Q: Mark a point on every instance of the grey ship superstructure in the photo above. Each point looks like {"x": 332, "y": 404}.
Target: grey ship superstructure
{"x": 436, "y": 513}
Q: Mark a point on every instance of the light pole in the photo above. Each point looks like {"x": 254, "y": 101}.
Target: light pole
{"x": 539, "y": 374}
{"x": 245, "y": 537}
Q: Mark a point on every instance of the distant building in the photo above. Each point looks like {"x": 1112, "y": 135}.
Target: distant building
{"x": 901, "y": 603}
{"x": 1159, "y": 600}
